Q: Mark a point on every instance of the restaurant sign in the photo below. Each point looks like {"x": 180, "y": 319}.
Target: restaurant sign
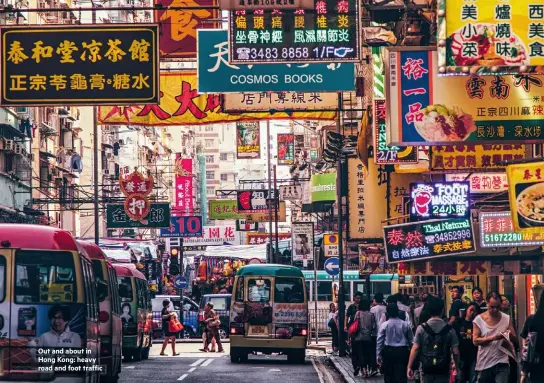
{"x": 481, "y": 182}
{"x": 497, "y": 230}
{"x": 80, "y": 65}
{"x": 279, "y": 101}
{"x": 428, "y": 239}
{"x": 475, "y": 109}
{"x": 331, "y": 32}
{"x": 228, "y": 209}
{"x": 439, "y": 200}
{"x": 474, "y": 157}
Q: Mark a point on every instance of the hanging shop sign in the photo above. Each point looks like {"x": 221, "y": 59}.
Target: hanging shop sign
{"x": 331, "y": 245}
{"x": 136, "y": 188}
{"x": 248, "y": 140}
{"x": 383, "y": 153}
{"x": 486, "y": 37}
{"x": 474, "y": 157}
{"x": 178, "y": 38}
{"x": 74, "y": 65}
{"x": 526, "y": 192}
{"x": 497, "y": 230}
{"x": 184, "y": 202}
{"x": 228, "y": 209}
{"x": 323, "y": 187}
{"x": 430, "y": 200}
{"x": 286, "y": 149}
{"x": 216, "y": 75}
{"x": 302, "y": 241}
{"x": 495, "y": 109}
{"x": 265, "y": 4}
{"x": 243, "y": 225}
{"x": 481, "y": 182}
{"x": 290, "y": 192}
{"x": 255, "y": 201}
{"x": 329, "y": 33}
{"x": 464, "y": 268}
{"x": 279, "y": 101}
{"x": 428, "y": 239}
{"x": 215, "y": 236}
{"x": 182, "y": 104}
{"x": 187, "y": 226}
{"x": 117, "y": 218}
{"x": 372, "y": 261}
{"x": 260, "y": 238}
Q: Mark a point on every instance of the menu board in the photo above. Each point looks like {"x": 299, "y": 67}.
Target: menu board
{"x": 439, "y": 200}
{"x": 498, "y": 231}
{"x": 428, "y": 239}
{"x": 329, "y": 32}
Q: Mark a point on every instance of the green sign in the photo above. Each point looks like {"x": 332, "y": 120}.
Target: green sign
{"x": 223, "y": 209}
{"x": 323, "y": 187}
{"x": 159, "y": 216}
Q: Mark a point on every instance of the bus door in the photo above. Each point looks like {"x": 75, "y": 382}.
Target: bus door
{"x": 290, "y": 308}
{"x": 5, "y": 308}
{"x": 258, "y": 307}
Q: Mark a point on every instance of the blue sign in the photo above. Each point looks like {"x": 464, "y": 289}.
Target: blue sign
{"x": 180, "y": 282}
{"x": 332, "y": 266}
{"x": 216, "y": 75}
{"x": 190, "y": 226}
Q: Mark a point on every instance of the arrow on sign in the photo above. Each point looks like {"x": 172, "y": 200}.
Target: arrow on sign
{"x": 331, "y": 266}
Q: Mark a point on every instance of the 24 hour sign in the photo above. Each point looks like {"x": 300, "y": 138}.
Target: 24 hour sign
{"x": 439, "y": 200}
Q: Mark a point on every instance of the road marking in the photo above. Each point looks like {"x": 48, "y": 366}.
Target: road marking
{"x": 192, "y": 369}
{"x": 207, "y": 363}
{"x": 257, "y": 367}
{"x": 197, "y": 362}
{"x": 274, "y": 370}
{"x": 182, "y": 377}
{"x": 131, "y": 367}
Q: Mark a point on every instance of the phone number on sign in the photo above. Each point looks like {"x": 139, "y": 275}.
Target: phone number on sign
{"x": 451, "y": 236}
{"x": 273, "y": 53}
{"x": 502, "y": 237}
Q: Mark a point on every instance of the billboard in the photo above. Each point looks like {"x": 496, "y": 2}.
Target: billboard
{"x": 254, "y": 201}
{"x": 482, "y": 182}
{"x": 430, "y": 200}
{"x": 474, "y": 157}
{"x": 302, "y": 241}
{"x": 117, "y": 218}
{"x": 286, "y": 149}
{"x": 248, "y": 140}
{"x": 323, "y": 187}
{"x": 497, "y": 230}
{"x": 184, "y": 184}
{"x": 188, "y": 226}
{"x": 80, "y": 65}
{"x": 228, "y": 209}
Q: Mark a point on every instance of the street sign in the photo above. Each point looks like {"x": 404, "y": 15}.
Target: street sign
{"x": 189, "y": 226}
{"x": 216, "y": 75}
{"x": 332, "y": 266}
{"x": 265, "y": 4}
{"x": 330, "y": 244}
{"x": 117, "y": 218}
{"x": 180, "y": 282}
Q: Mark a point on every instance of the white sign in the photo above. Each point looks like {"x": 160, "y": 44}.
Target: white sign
{"x": 265, "y": 4}
{"x": 215, "y": 236}
{"x": 290, "y": 192}
{"x": 302, "y": 237}
{"x": 330, "y": 245}
{"x": 482, "y": 182}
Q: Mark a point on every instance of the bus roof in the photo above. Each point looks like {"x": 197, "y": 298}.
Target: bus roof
{"x": 125, "y": 270}
{"x": 93, "y": 251}
{"x": 270, "y": 270}
{"x": 38, "y": 237}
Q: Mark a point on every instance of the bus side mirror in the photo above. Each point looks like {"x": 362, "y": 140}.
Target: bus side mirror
{"x": 101, "y": 290}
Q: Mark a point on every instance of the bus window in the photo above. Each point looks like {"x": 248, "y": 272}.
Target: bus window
{"x": 125, "y": 288}
{"x": 308, "y": 284}
{"x": 98, "y": 272}
{"x": 324, "y": 291}
{"x": 381, "y": 287}
{"x": 258, "y": 290}
{"x": 2, "y": 278}
{"x": 43, "y": 277}
{"x": 289, "y": 290}
{"x": 239, "y": 290}
{"x": 359, "y": 287}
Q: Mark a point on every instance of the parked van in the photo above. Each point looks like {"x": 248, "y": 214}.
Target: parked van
{"x": 109, "y": 314}
{"x": 136, "y": 316}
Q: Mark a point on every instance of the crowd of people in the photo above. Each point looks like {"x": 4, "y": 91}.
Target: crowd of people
{"x": 430, "y": 343}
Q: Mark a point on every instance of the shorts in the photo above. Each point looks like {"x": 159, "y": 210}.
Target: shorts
{"x": 166, "y": 332}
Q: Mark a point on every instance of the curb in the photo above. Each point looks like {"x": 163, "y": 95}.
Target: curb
{"x": 317, "y": 347}
{"x": 345, "y": 374}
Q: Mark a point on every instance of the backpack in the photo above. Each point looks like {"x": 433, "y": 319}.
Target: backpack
{"x": 435, "y": 351}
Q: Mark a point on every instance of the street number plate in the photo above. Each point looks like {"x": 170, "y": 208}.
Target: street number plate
{"x": 258, "y": 331}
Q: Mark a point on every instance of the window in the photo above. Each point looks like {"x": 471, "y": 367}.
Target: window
{"x": 43, "y": 277}
{"x": 209, "y": 159}
{"x": 224, "y": 177}
{"x": 324, "y": 291}
{"x": 289, "y": 290}
{"x": 258, "y": 290}
{"x": 115, "y": 291}
{"x": 210, "y": 175}
{"x": 6, "y": 161}
{"x": 308, "y": 290}
{"x": 239, "y": 289}
{"x": 97, "y": 269}
{"x": 208, "y": 143}
{"x": 223, "y": 156}
{"x": 219, "y": 303}
{"x": 125, "y": 288}
{"x": 2, "y": 278}
{"x": 210, "y": 191}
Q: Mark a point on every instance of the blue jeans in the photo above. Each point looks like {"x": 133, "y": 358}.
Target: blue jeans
{"x": 467, "y": 372}
{"x": 499, "y": 373}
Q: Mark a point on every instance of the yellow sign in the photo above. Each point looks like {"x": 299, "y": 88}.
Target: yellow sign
{"x": 482, "y": 34}
{"x": 474, "y": 157}
{"x": 526, "y": 191}
{"x": 181, "y": 104}
{"x": 278, "y": 101}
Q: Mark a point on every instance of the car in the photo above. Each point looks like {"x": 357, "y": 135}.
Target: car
{"x": 221, "y": 305}
{"x": 190, "y": 315}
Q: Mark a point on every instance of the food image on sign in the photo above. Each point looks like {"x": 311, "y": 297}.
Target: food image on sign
{"x": 497, "y": 230}
{"x": 439, "y": 199}
{"x": 428, "y": 239}
{"x": 248, "y": 140}
{"x": 526, "y": 192}
{"x": 439, "y": 123}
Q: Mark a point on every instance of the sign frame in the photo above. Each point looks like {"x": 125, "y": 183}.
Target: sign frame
{"x": 306, "y": 228}
{"x": 512, "y": 243}
{"x": 415, "y": 215}
{"x": 137, "y": 224}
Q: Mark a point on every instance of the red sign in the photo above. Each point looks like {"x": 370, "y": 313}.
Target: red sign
{"x": 184, "y": 185}
{"x": 136, "y": 187}
{"x": 260, "y": 238}
{"x": 137, "y": 207}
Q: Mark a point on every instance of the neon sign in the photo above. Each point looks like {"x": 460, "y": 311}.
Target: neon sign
{"x": 439, "y": 200}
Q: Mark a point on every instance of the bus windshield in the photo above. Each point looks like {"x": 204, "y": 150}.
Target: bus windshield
{"x": 125, "y": 289}
{"x": 44, "y": 277}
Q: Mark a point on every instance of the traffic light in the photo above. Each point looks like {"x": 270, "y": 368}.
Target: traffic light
{"x": 174, "y": 261}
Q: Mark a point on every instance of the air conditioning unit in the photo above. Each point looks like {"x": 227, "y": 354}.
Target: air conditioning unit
{"x": 9, "y": 145}
{"x": 18, "y": 148}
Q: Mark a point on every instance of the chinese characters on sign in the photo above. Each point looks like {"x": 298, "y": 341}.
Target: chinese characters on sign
{"x": 526, "y": 192}
{"x": 184, "y": 203}
{"x": 481, "y": 182}
{"x": 385, "y": 154}
{"x": 248, "y": 140}
{"x": 117, "y": 218}
{"x": 439, "y": 200}
{"x": 136, "y": 187}
{"x": 264, "y": 4}
{"x": 428, "y": 239}
{"x": 254, "y": 201}
{"x": 94, "y": 65}
{"x": 286, "y": 149}
{"x": 260, "y": 238}
{"x": 279, "y": 101}
{"x": 329, "y": 33}
{"x": 474, "y": 157}
{"x": 484, "y": 33}
{"x": 330, "y": 245}
{"x": 213, "y": 236}
{"x": 228, "y": 209}
{"x": 497, "y": 230}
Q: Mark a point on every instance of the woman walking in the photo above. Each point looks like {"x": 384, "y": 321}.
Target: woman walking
{"x": 362, "y": 342}
{"x": 467, "y": 350}
{"x": 167, "y": 316}
{"x": 534, "y": 328}
{"x": 333, "y": 325}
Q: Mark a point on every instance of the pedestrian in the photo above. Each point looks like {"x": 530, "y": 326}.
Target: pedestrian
{"x": 478, "y": 298}
{"x": 402, "y": 313}
{"x": 457, "y": 304}
{"x": 393, "y": 346}
{"x": 534, "y": 327}
{"x": 493, "y": 333}
{"x": 212, "y": 324}
{"x": 333, "y": 325}
{"x": 418, "y": 310}
{"x": 434, "y": 343}
{"x": 362, "y": 341}
{"x": 467, "y": 350}
{"x": 378, "y": 310}
{"x": 350, "y": 316}
{"x": 167, "y": 316}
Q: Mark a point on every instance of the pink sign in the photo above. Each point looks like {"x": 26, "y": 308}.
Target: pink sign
{"x": 184, "y": 202}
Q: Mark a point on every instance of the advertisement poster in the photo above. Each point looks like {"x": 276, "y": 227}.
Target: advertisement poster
{"x": 290, "y": 192}
{"x": 372, "y": 260}
{"x": 117, "y": 218}
{"x": 302, "y": 241}
{"x": 279, "y": 101}
{"x": 286, "y": 149}
{"x": 323, "y": 187}
{"x": 497, "y": 230}
{"x": 485, "y": 34}
{"x": 481, "y": 182}
{"x": 184, "y": 202}
{"x": 291, "y": 313}
{"x": 496, "y": 109}
{"x": 526, "y": 192}
{"x": 248, "y": 140}
{"x": 27, "y": 321}
{"x": 474, "y": 157}
{"x": 188, "y": 226}
{"x": 439, "y": 200}
{"x": 428, "y": 239}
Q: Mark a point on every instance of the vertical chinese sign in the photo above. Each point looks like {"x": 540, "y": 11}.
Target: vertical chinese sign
{"x": 286, "y": 149}
{"x": 136, "y": 187}
{"x": 177, "y": 38}
{"x": 248, "y": 140}
{"x": 184, "y": 203}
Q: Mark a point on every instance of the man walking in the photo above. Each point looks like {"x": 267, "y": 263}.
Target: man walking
{"x": 434, "y": 343}
{"x": 457, "y": 304}
{"x": 378, "y": 310}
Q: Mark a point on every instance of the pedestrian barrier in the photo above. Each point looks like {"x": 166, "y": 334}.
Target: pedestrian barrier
{"x": 322, "y": 321}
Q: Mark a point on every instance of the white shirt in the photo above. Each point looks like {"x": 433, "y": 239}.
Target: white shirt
{"x": 66, "y": 339}
{"x": 406, "y": 319}
{"x": 377, "y": 311}
{"x": 491, "y": 354}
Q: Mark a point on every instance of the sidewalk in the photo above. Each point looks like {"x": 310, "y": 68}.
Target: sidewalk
{"x": 343, "y": 365}
{"x": 323, "y": 344}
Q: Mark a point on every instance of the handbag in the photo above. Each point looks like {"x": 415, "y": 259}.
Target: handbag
{"x": 354, "y": 327}
{"x": 174, "y": 325}
{"x": 529, "y": 355}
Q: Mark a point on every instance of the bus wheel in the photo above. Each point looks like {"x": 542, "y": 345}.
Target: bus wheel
{"x": 297, "y": 357}
{"x": 145, "y": 353}
{"x": 237, "y": 356}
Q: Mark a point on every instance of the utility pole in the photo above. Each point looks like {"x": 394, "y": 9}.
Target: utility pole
{"x": 341, "y": 296}
{"x": 181, "y": 272}
{"x": 269, "y": 157}
{"x": 96, "y": 163}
